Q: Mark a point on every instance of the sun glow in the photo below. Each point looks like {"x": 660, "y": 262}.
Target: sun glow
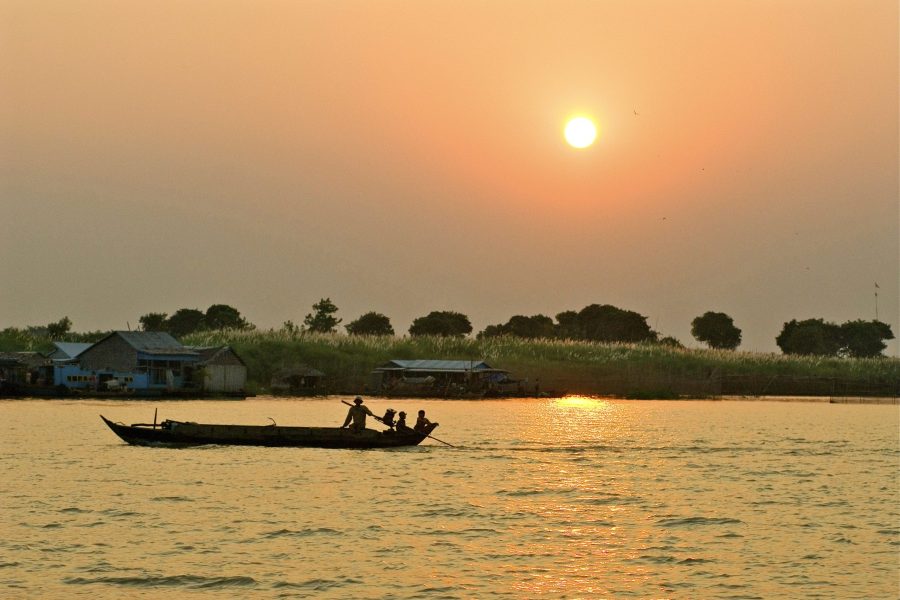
{"x": 580, "y": 132}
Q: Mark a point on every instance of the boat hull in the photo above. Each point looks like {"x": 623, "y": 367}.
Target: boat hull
{"x": 176, "y": 434}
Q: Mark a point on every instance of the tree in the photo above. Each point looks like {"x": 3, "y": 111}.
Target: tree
{"x": 322, "y": 319}
{"x": 444, "y": 323}
{"x": 154, "y": 322}
{"x": 567, "y": 325}
{"x": 810, "y": 336}
{"x": 864, "y": 339}
{"x": 671, "y": 342}
{"x": 57, "y": 330}
{"x": 607, "y": 323}
{"x": 371, "y": 323}
{"x": 222, "y": 316}
{"x": 716, "y": 330}
{"x": 537, "y": 326}
{"x": 185, "y": 321}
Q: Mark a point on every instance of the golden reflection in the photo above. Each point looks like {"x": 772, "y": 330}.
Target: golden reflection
{"x": 579, "y": 402}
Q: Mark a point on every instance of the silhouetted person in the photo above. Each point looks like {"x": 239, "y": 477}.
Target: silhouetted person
{"x": 357, "y": 414}
{"x": 423, "y": 424}
{"x": 401, "y": 422}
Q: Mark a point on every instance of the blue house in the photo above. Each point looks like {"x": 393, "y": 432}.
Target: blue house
{"x": 148, "y": 362}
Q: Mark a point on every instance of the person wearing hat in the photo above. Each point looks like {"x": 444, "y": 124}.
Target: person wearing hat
{"x": 357, "y": 414}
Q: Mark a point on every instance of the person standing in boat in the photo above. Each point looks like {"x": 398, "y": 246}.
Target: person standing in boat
{"x": 357, "y": 414}
{"x": 423, "y": 424}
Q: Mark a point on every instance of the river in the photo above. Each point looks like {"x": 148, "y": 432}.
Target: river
{"x": 541, "y": 498}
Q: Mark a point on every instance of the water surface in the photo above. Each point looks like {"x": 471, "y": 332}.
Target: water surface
{"x": 569, "y": 498}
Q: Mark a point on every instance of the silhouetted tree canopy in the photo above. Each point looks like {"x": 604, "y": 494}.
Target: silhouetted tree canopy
{"x": 537, "y": 326}
{"x": 58, "y": 329}
{"x": 185, "y": 321}
{"x": 445, "y": 323}
{"x": 371, "y": 323}
{"x": 716, "y": 330}
{"x": 154, "y": 322}
{"x": 810, "y": 336}
{"x": 864, "y": 339}
{"x": 567, "y": 325}
{"x": 222, "y": 316}
{"x": 606, "y": 323}
{"x": 322, "y": 319}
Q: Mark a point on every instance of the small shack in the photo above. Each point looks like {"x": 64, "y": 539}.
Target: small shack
{"x": 439, "y": 378}
{"x": 301, "y": 380}
{"x": 223, "y": 371}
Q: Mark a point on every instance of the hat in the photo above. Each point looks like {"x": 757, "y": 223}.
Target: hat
{"x": 358, "y": 400}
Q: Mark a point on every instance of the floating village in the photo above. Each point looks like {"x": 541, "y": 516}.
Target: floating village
{"x": 148, "y": 364}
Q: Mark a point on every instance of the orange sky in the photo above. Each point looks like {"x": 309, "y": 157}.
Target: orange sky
{"x": 405, "y": 157}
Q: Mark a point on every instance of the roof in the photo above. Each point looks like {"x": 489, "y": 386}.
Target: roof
{"x": 208, "y": 353}
{"x": 436, "y": 366}
{"x": 71, "y": 349}
{"x": 152, "y": 342}
{"x": 23, "y": 359}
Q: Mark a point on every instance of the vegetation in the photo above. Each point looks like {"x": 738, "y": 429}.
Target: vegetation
{"x": 538, "y": 326}
{"x": 441, "y": 323}
{"x": 817, "y": 337}
{"x": 186, "y": 321}
{"x": 716, "y": 330}
{"x": 628, "y": 369}
{"x": 322, "y": 319}
{"x": 575, "y": 366}
{"x": 371, "y": 323}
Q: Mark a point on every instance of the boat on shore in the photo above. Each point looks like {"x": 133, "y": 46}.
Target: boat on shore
{"x": 181, "y": 434}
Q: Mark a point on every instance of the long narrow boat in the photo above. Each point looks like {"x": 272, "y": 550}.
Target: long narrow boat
{"x": 179, "y": 434}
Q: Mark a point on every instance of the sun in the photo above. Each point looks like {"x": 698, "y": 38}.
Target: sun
{"x": 580, "y": 132}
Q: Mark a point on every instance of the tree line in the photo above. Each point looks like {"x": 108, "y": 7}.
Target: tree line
{"x": 594, "y": 323}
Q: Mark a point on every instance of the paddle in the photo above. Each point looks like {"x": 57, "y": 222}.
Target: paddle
{"x": 380, "y": 420}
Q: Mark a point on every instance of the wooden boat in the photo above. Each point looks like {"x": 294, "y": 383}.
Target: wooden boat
{"x": 178, "y": 434}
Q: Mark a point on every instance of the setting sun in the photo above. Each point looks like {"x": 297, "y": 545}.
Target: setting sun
{"x": 580, "y": 132}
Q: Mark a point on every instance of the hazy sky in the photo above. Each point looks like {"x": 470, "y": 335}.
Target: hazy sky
{"x": 405, "y": 157}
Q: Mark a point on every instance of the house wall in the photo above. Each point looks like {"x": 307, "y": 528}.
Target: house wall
{"x": 111, "y": 353}
{"x": 224, "y": 378}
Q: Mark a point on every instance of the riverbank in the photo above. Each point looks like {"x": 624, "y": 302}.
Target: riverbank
{"x": 636, "y": 371}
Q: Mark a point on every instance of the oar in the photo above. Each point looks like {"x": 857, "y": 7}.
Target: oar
{"x": 380, "y": 420}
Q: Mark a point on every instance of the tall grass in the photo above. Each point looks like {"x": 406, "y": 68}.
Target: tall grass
{"x": 559, "y": 363}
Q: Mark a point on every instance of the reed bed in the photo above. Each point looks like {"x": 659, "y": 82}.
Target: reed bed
{"x": 566, "y": 364}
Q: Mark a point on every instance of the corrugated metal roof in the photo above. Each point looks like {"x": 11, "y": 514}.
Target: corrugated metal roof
{"x": 437, "y": 365}
{"x": 153, "y": 342}
{"x": 208, "y": 353}
{"x": 71, "y": 349}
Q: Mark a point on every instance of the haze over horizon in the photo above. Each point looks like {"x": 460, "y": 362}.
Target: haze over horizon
{"x": 409, "y": 157}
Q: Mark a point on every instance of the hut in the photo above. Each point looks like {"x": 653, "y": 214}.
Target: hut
{"x": 223, "y": 371}
{"x": 301, "y": 380}
{"x": 441, "y": 378}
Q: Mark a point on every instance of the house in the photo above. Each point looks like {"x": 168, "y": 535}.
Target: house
{"x": 443, "y": 378}
{"x": 141, "y": 361}
{"x": 223, "y": 371}
{"x": 25, "y": 373}
{"x": 301, "y": 380}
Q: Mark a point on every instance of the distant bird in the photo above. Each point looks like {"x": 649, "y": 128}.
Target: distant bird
{"x": 635, "y": 112}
